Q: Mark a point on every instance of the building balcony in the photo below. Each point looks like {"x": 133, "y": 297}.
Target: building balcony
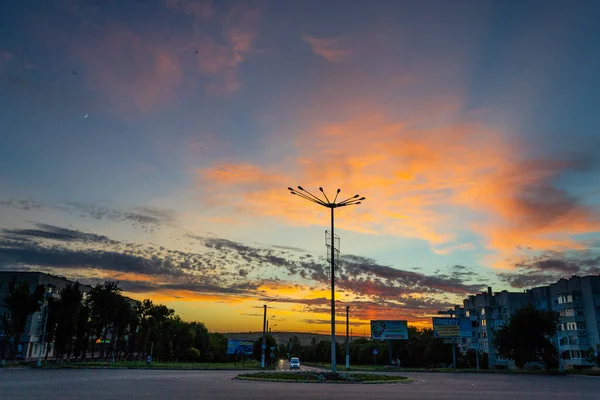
{"x": 577, "y": 332}
{"x": 573, "y": 318}
{"x": 572, "y": 304}
{"x": 572, "y": 347}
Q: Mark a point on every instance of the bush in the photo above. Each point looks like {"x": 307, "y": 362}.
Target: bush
{"x": 323, "y": 377}
{"x": 192, "y": 354}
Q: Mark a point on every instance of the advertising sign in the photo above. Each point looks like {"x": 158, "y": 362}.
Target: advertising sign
{"x": 446, "y": 328}
{"x": 389, "y": 330}
{"x": 239, "y": 347}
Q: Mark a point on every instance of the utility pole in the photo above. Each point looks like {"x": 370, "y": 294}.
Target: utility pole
{"x": 264, "y": 341}
{"x": 347, "y": 341}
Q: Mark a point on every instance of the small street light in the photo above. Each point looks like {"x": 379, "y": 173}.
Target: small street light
{"x": 352, "y": 201}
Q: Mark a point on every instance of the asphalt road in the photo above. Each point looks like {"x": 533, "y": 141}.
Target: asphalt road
{"x": 96, "y": 384}
{"x": 284, "y": 365}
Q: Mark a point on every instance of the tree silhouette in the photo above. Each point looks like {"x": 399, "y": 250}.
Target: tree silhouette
{"x": 525, "y": 338}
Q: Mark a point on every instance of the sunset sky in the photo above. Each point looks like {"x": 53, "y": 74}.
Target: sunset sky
{"x": 153, "y": 141}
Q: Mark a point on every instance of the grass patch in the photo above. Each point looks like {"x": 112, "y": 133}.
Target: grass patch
{"x": 250, "y": 365}
{"x": 322, "y": 377}
{"x": 382, "y": 368}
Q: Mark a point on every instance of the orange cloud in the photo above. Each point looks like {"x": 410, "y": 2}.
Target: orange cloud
{"x": 428, "y": 178}
{"x": 331, "y": 49}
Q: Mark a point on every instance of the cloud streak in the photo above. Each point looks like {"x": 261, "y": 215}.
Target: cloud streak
{"x": 331, "y": 49}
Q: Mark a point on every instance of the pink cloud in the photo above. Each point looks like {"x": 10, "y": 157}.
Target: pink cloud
{"x": 133, "y": 71}
{"x": 332, "y": 49}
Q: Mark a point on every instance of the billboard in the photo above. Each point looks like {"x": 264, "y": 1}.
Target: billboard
{"x": 239, "y": 347}
{"x": 444, "y": 327}
{"x": 389, "y": 330}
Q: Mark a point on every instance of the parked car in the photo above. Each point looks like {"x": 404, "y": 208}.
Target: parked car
{"x": 295, "y": 363}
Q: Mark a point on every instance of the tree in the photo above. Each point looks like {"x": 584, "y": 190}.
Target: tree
{"x": 68, "y": 313}
{"x": 82, "y": 332}
{"x": 217, "y": 347}
{"x": 105, "y": 303}
{"x": 257, "y": 347}
{"x": 525, "y": 338}
{"x": 20, "y": 303}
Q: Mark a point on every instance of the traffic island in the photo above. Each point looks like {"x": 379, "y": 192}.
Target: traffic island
{"x": 322, "y": 377}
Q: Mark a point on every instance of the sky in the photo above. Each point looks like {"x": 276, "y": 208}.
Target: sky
{"x": 153, "y": 142}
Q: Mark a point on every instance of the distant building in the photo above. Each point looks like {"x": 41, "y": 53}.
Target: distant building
{"x": 29, "y": 344}
{"x": 577, "y": 300}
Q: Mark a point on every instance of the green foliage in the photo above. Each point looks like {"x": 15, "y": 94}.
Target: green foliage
{"x": 217, "y": 347}
{"x": 192, "y": 354}
{"x": 525, "y": 338}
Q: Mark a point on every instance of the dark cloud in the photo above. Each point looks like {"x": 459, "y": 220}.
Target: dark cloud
{"x": 142, "y": 286}
{"x": 52, "y": 232}
{"x": 542, "y": 204}
{"x": 147, "y": 218}
{"x": 365, "y": 272}
{"x": 527, "y": 280}
{"x": 22, "y": 204}
{"x": 552, "y": 266}
{"x": 291, "y": 248}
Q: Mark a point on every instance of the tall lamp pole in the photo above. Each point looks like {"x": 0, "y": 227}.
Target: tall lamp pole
{"x": 354, "y": 200}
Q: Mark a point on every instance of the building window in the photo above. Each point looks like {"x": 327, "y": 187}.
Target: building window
{"x": 483, "y": 322}
{"x": 483, "y": 311}
{"x": 580, "y": 313}
{"x": 581, "y": 325}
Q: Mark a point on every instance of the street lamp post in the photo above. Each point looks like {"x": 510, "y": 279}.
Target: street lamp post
{"x": 354, "y": 200}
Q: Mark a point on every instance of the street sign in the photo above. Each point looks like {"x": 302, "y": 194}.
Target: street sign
{"x": 375, "y": 352}
{"x": 263, "y": 346}
{"x": 272, "y": 355}
{"x": 272, "y": 348}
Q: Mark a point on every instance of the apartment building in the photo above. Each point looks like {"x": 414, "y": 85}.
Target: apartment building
{"x": 29, "y": 347}
{"x": 488, "y": 313}
{"x": 577, "y": 300}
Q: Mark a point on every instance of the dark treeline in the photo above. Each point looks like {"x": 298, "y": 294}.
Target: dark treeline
{"x": 105, "y": 325}
{"x": 421, "y": 350}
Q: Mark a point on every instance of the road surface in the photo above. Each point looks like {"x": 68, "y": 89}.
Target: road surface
{"x": 284, "y": 365}
{"x": 96, "y": 384}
